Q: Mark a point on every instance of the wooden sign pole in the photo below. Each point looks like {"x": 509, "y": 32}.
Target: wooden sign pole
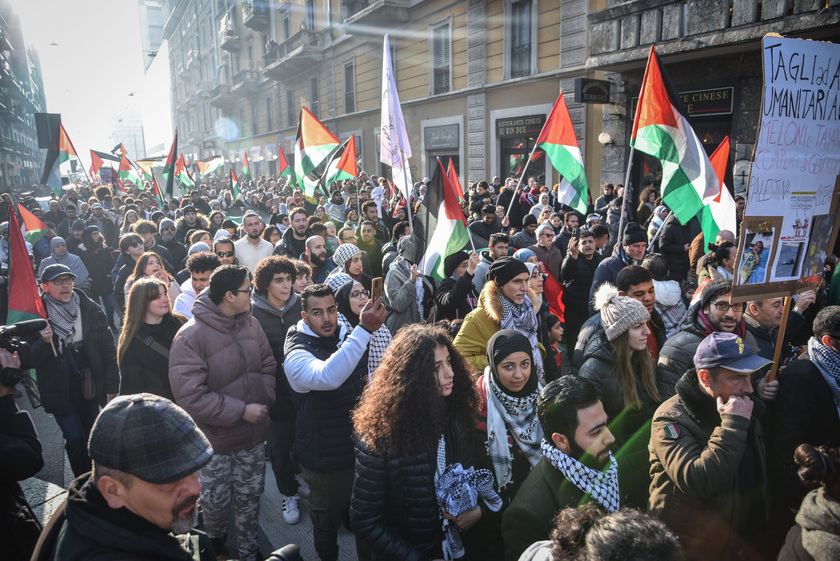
{"x": 780, "y": 338}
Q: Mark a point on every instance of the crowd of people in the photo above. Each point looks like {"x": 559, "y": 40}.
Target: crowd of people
{"x": 567, "y": 390}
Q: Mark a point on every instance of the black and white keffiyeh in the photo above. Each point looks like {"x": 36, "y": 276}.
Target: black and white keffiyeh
{"x": 63, "y": 315}
{"x": 827, "y": 362}
{"x": 517, "y": 415}
{"x": 523, "y": 318}
{"x": 379, "y": 342}
{"x": 600, "y": 485}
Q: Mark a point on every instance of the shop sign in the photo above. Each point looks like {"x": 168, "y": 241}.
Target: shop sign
{"x": 703, "y": 103}
{"x": 519, "y": 126}
{"x": 445, "y": 136}
{"x": 588, "y": 90}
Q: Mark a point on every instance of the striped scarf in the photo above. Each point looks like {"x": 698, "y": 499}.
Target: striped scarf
{"x": 827, "y": 362}
{"x": 63, "y": 315}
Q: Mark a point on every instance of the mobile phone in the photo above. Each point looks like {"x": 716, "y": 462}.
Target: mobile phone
{"x": 376, "y": 288}
{"x": 576, "y": 233}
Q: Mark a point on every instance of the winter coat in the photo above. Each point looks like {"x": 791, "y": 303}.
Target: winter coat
{"x": 672, "y": 241}
{"x": 479, "y": 228}
{"x": 290, "y": 246}
{"x": 142, "y": 368}
{"x": 677, "y": 355}
{"x": 217, "y": 365}
{"x": 176, "y": 249}
{"x": 602, "y": 204}
{"x": 399, "y": 294}
{"x": 480, "y": 275}
{"x": 695, "y": 453}
{"x": 561, "y": 241}
{"x": 804, "y": 412}
{"x": 55, "y": 380}
{"x": 120, "y": 277}
{"x": 607, "y": 271}
{"x": 110, "y": 232}
{"x": 577, "y": 276}
{"x": 671, "y": 305}
{"x": 451, "y": 297}
{"x": 182, "y": 228}
{"x": 552, "y": 258}
{"x": 394, "y": 509}
{"x": 522, "y": 239}
{"x": 816, "y": 535}
{"x": 594, "y": 326}
{"x": 766, "y": 338}
{"x": 275, "y": 324}
{"x": 90, "y": 529}
{"x": 99, "y": 264}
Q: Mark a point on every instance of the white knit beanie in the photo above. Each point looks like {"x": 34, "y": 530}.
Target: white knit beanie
{"x": 618, "y": 313}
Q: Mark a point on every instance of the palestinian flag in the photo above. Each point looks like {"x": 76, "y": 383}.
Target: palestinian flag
{"x": 61, "y": 150}
{"x": 661, "y": 130}
{"x": 246, "y": 169}
{"x": 440, "y": 228}
{"x": 127, "y": 173}
{"x": 33, "y": 227}
{"x": 234, "y": 185}
{"x": 24, "y": 302}
{"x": 209, "y": 165}
{"x": 65, "y": 147}
{"x": 283, "y": 166}
{"x": 170, "y": 165}
{"x": 557, "y": 139}
{"x": 453, "y": 179}
{"x": 181, "y": 173}
{"x": 119, "y": 148}
{"x": 115, "y": 180}
{"x": 158, "y": 194}
{"x": 98, "y": 159}
{"x": 719, "y": 212}
{"x": 313, "y": 145}
{"x": 344, "y": 167}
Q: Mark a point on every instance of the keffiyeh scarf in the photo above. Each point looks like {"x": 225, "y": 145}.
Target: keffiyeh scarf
{"x": 63, "y": 316}
{"x": 523, "y": 318}
{"x": 600, "y": 485}
{"x": 517, "y": 415}
{"x": 379, "y": 341}
{"x": 827, "y": 362}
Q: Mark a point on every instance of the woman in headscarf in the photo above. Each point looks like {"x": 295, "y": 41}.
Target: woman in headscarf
{"x": 537, "y": 209}
{"x": 348, "y": 259}
{"x": 408, "y": 295}
{"x": 508, "y": 430}
{"x": 350, "y": 297}
{"x": 456, "y": 296}
{"x": 412, "y": 421}
{"x": 60, "y": 255}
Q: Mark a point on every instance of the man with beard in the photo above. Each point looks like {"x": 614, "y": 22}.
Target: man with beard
{"x": 139, "y": 502}
{"x": 371, "y": 212}
{"x": 63, "y": 229}
{"x": 316, "y": 257}
{"x": 106, "y": 226}
{"x": 98, "y": 261}
{"x": 577, "y": 464}
{"x": 166, "y": 238}
{"x": 294, "y": 239}
{"x": 190, "y": 221}
{"x": 55, "y": 215}
{"x": 251, "y": 248}
{"x": 497, "y": 248}
{"x": 370, "y": 244}
{"x": 488, "y": 225}
{"x": 707, "y": 454}
{"x": 199, "y": 203}
{"x": 75, "y": 239}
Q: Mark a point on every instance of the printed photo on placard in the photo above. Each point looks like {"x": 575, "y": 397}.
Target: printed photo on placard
{"x": 818, "y": 246}
{"x": 757, "y": 251}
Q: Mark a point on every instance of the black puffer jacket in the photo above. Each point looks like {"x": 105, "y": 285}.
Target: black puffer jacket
{"x": 275, "y": 324}
{"x": 453, "y": 297}
{"x": 577, "y": 275}
{"x": 672, "y": 242}
{"x": 55, "y": 381}
{"x": 99, "y": 263}
{"x": 394, "y": 510}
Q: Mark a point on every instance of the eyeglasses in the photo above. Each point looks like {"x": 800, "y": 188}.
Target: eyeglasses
{"x": 722, "y": 306}
{"x": 249, "y": 290}
{"x": 359, "y": 294}
{"x": 63, "y": 281}
{"x": 225, "y": 253}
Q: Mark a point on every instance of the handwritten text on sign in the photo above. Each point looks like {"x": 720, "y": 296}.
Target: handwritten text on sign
{"x": 797, "y": 156}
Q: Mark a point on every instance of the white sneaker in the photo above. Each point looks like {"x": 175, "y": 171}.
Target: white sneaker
{"x": 303, "y": 486}
{"x": 291, "y": 512}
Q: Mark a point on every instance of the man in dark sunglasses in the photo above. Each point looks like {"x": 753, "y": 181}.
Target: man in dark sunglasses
{"x": 166, "y": 238}
{"x": 225, "y": 251}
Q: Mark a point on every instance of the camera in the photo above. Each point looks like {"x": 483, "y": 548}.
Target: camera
{"x": 10, "y": 340}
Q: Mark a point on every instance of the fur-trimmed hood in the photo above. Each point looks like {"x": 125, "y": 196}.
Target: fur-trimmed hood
{"x": 491, "y": 300}
{"x": 201, "y": 223}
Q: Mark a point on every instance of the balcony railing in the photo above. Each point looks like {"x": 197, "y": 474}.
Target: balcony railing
{"x": 255, "y": 14}
{"x": 296, "y": 53}
{"x": 228, "y": 39}
{"x": 520, "y": 61}
{"x": 361, "y": 17}
{"x": 245, "y": 82}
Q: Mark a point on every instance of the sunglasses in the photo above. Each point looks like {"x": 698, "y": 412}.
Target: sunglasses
{"x": 225, "y": 254}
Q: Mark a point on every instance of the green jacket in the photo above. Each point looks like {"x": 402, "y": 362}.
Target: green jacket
{"x": 530, "y": 517}
{"x": 695, "y": 454}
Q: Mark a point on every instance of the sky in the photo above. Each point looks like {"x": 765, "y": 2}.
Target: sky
{"x": 95, "y": 65}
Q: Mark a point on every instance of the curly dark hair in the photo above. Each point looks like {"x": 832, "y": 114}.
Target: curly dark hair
{"x": 402, "y": 408}
{"x": 201, "y": 261}
{"x": 270, "y": 266}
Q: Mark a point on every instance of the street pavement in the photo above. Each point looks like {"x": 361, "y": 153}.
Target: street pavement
{"x": 46, "y": 491}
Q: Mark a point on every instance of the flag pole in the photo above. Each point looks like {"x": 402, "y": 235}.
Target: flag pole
{"x": 659, "y": 231}
{"x": 408, "y": 188}
{"x": 519, "y": 181}
{"x": 622, "y": 221}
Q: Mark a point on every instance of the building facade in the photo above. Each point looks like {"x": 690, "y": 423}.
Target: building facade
{"x": 476, "y": 78}
{"x": 21, "y": 96}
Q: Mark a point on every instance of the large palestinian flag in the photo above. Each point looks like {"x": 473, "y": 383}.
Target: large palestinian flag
{"x": 127, "y": 173}
{"x": 313, "y": 145}
{"x": 344, "y": 167}
{"x": 719, "y": 212}
{"x": 661, "y": 130}
{"x": 33, "y": 227}
{"x": 170, "y": 166}
{"x": 440, "y": 228}
{"x": 61, "y": 150}
{"x": 209, "y": 165}
{"x": 557, "y": 139}
{"x": 283, "y": 166}
{"x": 24, "y": 302}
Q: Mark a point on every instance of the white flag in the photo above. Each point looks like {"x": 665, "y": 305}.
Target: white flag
{"x": 394, "y": 149}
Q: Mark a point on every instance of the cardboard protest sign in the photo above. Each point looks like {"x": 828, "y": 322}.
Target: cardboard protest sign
{"x": 790, "y": 219}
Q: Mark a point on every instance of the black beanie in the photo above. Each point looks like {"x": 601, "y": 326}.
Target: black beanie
{"x": 503, "y": 270}
{"x": 452, "y": 261}
{"x": 633, "y": 233}
{"x": 529, "y": 219}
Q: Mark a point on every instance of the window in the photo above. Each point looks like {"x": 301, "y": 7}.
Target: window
{"x": 313, "y": 97}
{"x": 285, "y": 25}
{"x": 249, "y": 48}
{"x": 290, "y": 107}
{"x": 441, "y": 39}
{"x": 254, "y": 119}
{"x": 350, "y": 86}
{"x": 309, "y": 18}
{"x": 520, "y": 35}
{"x": 268, "y": 123}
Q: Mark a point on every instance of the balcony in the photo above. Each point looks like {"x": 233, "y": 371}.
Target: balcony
{"x": 222, "y": 97}
{"x": 244, "y": 83}
{"x": 255, "y": 14}
{"x": 229, "y": 40}
{"x": 299, "y": 52}
{"x": 620, "y": 36}
{"x": 204, "y": 89}
{"x": 370, "y": 16}
{"x": 193, "y": 56}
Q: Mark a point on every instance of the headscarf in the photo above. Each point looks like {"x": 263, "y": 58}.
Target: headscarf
{"x": 510, "y": 413}
{"x": 524, "y": 254}
{"x": 342, "y": 285}
{"x": 72, "y": 261}
{"x": 342, "y": 300}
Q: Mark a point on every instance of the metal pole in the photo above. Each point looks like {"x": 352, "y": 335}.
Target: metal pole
{"x": 519, "y": 181}
{"x": 659, "y": 231}
{"x": 622, "y": 220}
{"x": 409, "y": 189}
